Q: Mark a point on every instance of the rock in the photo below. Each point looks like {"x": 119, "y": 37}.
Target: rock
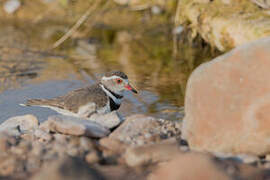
{"x": 248, "y": 158}
{"x": 68, "y": 168}
{"x": 113, "y": 145}
{"x": 140, "y": 129}
{"x": 11, "y": 6}
{"x": 86, "y": 143}
{"x": 191, "y": 166}
{"x": 227, "y": 28}
{"x": 92, "y": 157}
{"x": 120, "y": 172}
{"x": 45, "y": 126}
{"x": 78, "y": 127}
{"x": 109, "y": 120}
{"x": 143, "y": 155}
{"x": 156, "y": 10}
{"x": 43, "y": 135}
{"x": 19, "y": 124}
{"x": 227, "y": 102}
{"x": 112, "y": 150}
{"x": 267, "y": 157}
{"x": 6, "y": 140}
{"x": 7, "y": 166}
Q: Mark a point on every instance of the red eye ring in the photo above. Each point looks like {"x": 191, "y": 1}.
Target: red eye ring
{"x": 119, "y": 81}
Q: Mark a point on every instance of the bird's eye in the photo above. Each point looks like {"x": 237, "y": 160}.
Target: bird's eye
{"x": 118, "y": 81}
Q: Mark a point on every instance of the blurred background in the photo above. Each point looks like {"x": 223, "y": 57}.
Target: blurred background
{"x": 48, "y": 47}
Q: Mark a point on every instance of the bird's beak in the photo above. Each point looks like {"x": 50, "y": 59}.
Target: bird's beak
{"x": 129, "y": 87}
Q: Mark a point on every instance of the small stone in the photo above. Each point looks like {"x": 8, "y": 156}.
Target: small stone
{"x": 266, "y": 165}
{"x": 45, "y": 126}
{"x": 67, "y": 168}
{"x": 248, "y": 158}
{"x": 7, "y": 166}
{"x": 140, "y": 142}
{"x": 86, "y": 144}
{"x": 28, "y": 137}
{"x": 267, "y": 157}
{"x": 92, "y": 157}
{"x": 191, "y": 166}
{"x": 156, "y": 10}
{"x": 33, "y": 164}
{"x": 143, "y": 155}
{"x": 6, "y": 141}
{"x": 19, "y": 124}
{"x": 16, "y": 150}
{"x": 61, "y": 138}
{"x": 114, "y": 145}
{"x": 75, "y": 126}
{"x": 73, "y": 151}
{"x": 41, "y": 134}
{"x": 147, "y": 135}
{"x": 11, "y": 6}
{"x": 37, "y": 149}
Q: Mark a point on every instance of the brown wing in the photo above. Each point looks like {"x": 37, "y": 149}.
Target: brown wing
{"x": 74, "y": 99}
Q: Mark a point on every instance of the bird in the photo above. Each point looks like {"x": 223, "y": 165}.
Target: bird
{"x": 103, "y": 97}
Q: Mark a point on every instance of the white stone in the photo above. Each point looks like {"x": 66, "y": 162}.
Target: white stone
{"x": 11, "y": 6}
{"x": 20, "y": 123}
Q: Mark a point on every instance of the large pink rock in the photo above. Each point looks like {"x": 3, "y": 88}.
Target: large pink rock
{"x": 190, "y": 166}
{"x": 227, "y": 102}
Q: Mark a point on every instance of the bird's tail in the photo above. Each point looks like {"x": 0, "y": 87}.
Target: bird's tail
{"x": 36, "y": 102}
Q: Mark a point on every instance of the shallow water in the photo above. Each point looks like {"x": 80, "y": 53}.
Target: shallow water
{"x": 10, "y": 101}
{"x": 29, "y": 70}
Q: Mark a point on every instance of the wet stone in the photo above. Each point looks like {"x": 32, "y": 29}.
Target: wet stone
{"x": 76, "y": 126}
{"x": 140, "y": 129}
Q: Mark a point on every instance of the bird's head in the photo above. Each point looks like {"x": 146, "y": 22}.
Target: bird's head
{"x": 117, "y": 82}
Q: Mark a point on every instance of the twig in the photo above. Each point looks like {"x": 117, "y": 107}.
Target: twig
{"x": 263, "y": 4}
{"x": 101, "y": 12}
{"x": 76, "y": 25}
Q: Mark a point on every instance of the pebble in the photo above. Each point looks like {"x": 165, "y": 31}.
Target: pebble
{"x": 92, "y": 157}
{"x": 11, "y": 6}
{"x": 154, "y": 153}
{"x": 43, "y": 135}
{"x": 19, "y": 124}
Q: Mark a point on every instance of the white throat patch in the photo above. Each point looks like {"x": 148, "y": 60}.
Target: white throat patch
{"x": 117, "y": 101}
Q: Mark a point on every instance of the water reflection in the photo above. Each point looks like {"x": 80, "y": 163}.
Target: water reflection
{"x": 10, "y": 100}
